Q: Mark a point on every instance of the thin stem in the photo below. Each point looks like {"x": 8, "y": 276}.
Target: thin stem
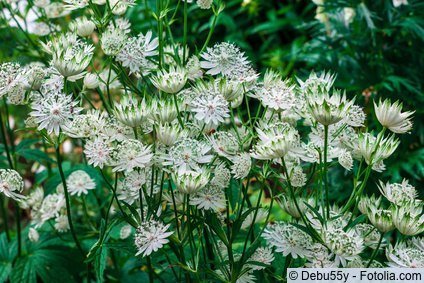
{"x": 376, "y": 250}
{"x": 325, "y": 176}
{"x": 18, "y": 228}
{"x": 208, "y": 38}
{"x": 68, "y": 204}
{"x": 4, "y": 216}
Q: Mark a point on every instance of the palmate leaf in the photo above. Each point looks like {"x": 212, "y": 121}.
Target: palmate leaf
{"x": 48, "y": 260}
{"x": 8, "y": 252}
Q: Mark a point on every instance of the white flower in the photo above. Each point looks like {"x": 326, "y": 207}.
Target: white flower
{"x": 315, "y": 83}
{"x": 381, "y": 219}
{"x": 98, "y": 151}
{"x": 131, "y": 112}
{"x": 135, "y": 51}
{"x": 10, "y": 76}
{"x": 125, "y": 232}
{"x": 222, "y": 176}
{"x": 372, "y": 152}
{"x": 187, "y": 155}
{"x": 204, "y": 4}
{"x": 327, "y": 109}
{"x": 261, "y": 255}
{"x": 391, "y": 116}
{"x": 297, "y": 177}
{"x": 171, "y": 81}
{"x": 76, "y": 4}
{"x": 51, "y": 206}
{"x": 276, "y": 141}
{"x": 209, "y": 198}
{"x": 151, "y": 236}
{"x": 33, "y": 200}
{"x": 91, "y": 81}
{"x": 224, "y": 58}
{"x": 345, "y": 245}
{"x": 61, "y": 224}
{"x": 131, "y": 154}
{"x": 224, "y": 143}
{"x": 129, "y": 187}
{"x": 260, "y": 216}
{"x": 289, "y": 205}
{"x": 398, "y": 193}
{"x": 320, "y": 257}
{"x": 190, "y": 182}
{"x": 405, "y": 255}
{"x": 346, "y": 160}
{"x": 169, "y": 134}
{"x": 194, "y": 70}
{"x": 288, "y": 239}
{"x": 11, "y": 184}
{"x": 70, "y": 56}
{"x": 112, "y": 40}
{"x": 409, "y": 218}
{"x": 79, "y": 182}
{"x": 209, "y": 105}
{"x": 33, "y": 235}
{"x": 398, "y": 3}
{"x": 242, "y": 163}
{"x": 83, "y": 26}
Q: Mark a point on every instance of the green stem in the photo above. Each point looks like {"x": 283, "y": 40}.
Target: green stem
{"x": 376, "y": 250}
{"x": 325, "y": 176}
{"x": 208, "y": 38}
{"x": 68, "y": 204}
{"x": 4, "y": 216}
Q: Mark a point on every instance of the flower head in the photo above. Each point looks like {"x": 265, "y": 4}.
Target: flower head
{"x": 171, "y": 81}
{"x": 131, "y": 154}
{"x": 408, "y": 218}
{"x": 151, "y": 236}
{"x": 398, "y": 193}
{"x": 189, "y": 182}
{"x": 288, "y": 239}
{"x": 345, "y": 245}
{"x": 79, "y": 182}
{"x": 391, "y": 116}
{"x": 11, "y": 184}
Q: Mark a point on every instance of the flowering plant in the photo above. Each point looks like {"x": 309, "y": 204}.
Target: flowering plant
{"x": 145, "y": 156}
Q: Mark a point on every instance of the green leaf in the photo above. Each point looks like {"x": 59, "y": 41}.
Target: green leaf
{"x": 8, "y": 252}
{"x": 34, "y": 155}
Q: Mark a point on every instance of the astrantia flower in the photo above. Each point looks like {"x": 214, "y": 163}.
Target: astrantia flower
{"x": 288, "y": 239}
{"x": 209, "y": 105}
{"x": 276, "y": 141}
{"x": 164, "y": 111}
{"x": 151, "y": 236}
{"x": 297, "y": 177}
{"x": 98, "y": 151}
{"x": 405, "y": 255}
{"x": 251, "y": 219}
{"x": 131, "y": 112}
{"x": 242, "y": 163}
{"x": 345, "y": 245}
{"x": 131, "y": 154}
{"x": 129, "y": 187}
{"x": 224, "y": 58}
{"x": 314, "y": 83}
{"x": 189, "y": 182}
{"x": 368, "y": 233}
{"x": 277, "y": 94}
{"x": 262, "y": 255}
{"x": 398, "y": 3}
{"x": 289, "y": 206}
{"x": 187, "y": 155}
{"x": 222, "y": 176}
{"x": 79, "y": 182}
{"x": 112, "y": 40}
{"x": 11, "y": 184}
{"x": 169, "y": 134}
{"x": 86, "y": 125}
{"x": 54, "y": 112}
{"x": 355, "y": 117}
{"x": 171, "y": 81}
{"x": 61, "y": 223}
{"x": 91, "y": 81}
{"x": 119, "y": 7}
{"x": 9, "y": 76}
{"x": 365, "y": 202}
{"x": 319, "y": 257}
{"x": 75, "y": 4}
{"x": 372, "y": 152}
{"x": 33, "y": 235}
{"x": 34, "y": 75}
{"x": 70, "y": 56}
{"x": 83, "y": 26}
{"x": 380, "y": 218}
{"x": 51, "y": 206}
{"x": 33, "y": 200}
{"x": 224, "y": 143}
{"x": 230, "y": 89}
{"x": 194, "y": 70}
{"x": 391, "y": 116}
{"x": 398, "y": 193}
{"x": 346, "y": 160}
{"x": 209, "y": 198}
{"x": 408, "y": 218}
{"x": 204, "y": 4}
{"x": 135, "y": 51}
{"x": 328, "y": 109}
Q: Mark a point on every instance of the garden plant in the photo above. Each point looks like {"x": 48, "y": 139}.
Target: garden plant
{"x": 146, "y": 141}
